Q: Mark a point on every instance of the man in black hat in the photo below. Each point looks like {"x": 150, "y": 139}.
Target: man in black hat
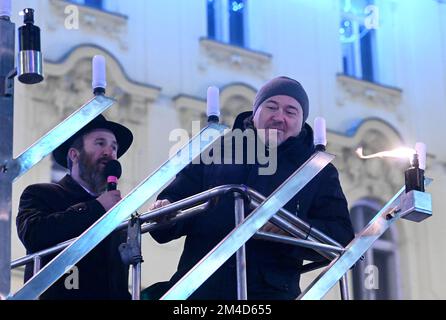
{"x": 273, "y": 269}
{"x": 53, "y": 213}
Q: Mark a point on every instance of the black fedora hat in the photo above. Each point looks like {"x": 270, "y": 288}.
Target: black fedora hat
{"x": 124, "y": 137}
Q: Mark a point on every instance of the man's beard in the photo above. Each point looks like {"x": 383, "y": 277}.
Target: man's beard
{"x": 91, "y": 172}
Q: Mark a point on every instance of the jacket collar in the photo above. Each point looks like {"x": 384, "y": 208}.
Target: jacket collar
{"x": 75, "y": 189}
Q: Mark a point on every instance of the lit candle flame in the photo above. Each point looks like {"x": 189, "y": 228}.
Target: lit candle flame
{"x": 400, "y": 153}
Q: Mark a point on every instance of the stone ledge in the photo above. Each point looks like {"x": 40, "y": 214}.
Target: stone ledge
{"x": 236, "y": 57}
{"x": 92, "y": 21}
{"x": 370, "y": 93}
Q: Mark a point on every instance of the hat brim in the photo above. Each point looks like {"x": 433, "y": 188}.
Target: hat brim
{"x": 124, "y": 138}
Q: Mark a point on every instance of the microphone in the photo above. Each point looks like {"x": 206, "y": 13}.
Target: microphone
{"x": 113, "y": 172}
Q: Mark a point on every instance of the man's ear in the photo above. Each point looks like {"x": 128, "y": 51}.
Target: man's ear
{"x": 73, "y": 154}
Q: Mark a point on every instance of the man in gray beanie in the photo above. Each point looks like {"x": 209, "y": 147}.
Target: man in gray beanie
{"x": 273, "y": 269}
{"x": 281, "y": 104}
{"x": 283, "y": 86}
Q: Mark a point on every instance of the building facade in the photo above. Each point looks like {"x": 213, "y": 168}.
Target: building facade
{"x": 376, "y": 70}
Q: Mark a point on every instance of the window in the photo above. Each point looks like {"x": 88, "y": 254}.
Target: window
{"x": 226, "y": 20}
{"x": 98, "y": 4}
{"x": 211, "y": 8}
{"x": 376, "y": 277}
{"x": 359, "y": 19}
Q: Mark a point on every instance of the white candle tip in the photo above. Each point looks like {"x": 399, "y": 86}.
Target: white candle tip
{"x": 420, "y": 148}
{"x": 213, "y": 102}
{"x": 99, "y": 73}
{"x": 5, "y": 8}
{"x": 320, "y": 131}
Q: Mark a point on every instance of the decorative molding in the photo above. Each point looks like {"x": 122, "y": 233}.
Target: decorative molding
{"x": 234, "y": 99}
{"x": 367, "y": 93}
{"x": 183, "y": 101}
{"x": 67, "y": 86}
{"x": 234, "y": 57}
{"x": 94, "y": 22}
{"x": 190, "y": 109}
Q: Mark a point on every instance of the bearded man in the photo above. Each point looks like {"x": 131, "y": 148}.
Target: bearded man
{"x": 53, "y": 213}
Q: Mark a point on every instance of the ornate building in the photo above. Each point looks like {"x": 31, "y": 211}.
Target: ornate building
{"x": 369, "y": 76}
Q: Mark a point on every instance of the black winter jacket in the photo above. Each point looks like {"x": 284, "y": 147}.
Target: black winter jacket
{"x": 53, "y": 213}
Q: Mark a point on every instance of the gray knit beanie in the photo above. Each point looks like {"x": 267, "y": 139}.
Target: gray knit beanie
{"x": 283, "y": 86}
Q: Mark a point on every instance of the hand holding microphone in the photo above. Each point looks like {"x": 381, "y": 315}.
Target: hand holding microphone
{"x": 113, "y": 172}
{"x": 112, "y": 196}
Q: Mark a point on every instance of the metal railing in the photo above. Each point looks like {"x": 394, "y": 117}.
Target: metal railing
{"x": 200, "y": 203}
{"x": 340, "y": 259}
{"x": 187, "y": 208}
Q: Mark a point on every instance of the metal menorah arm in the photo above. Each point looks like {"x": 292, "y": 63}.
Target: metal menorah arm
{"x": 414, "y": 205}
{"x": 58, "y": 135}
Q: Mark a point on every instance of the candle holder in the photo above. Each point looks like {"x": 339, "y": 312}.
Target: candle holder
{"x": 414, "y": 176}
{"x": 29, "y": 66}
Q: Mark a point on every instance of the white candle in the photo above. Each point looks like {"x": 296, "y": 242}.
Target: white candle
{"x": 420, "y": 148}
{"x": 99, "y": 74}
{"x": 5, "y": 8}
{"x": 213, "y": 102}
{"x": 320, "y": 132}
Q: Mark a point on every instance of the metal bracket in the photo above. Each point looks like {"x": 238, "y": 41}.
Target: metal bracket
{"x": 131, "y": 250}
{"x": 416, "y": 206}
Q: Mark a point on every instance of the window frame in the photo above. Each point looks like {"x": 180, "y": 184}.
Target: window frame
{"x": 222, "y": 26}
{"x": 356, "y": 52}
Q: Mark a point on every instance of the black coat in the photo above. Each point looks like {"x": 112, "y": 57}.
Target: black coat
{"x": 53, "y": 213}
{"x": 272, "y": 268}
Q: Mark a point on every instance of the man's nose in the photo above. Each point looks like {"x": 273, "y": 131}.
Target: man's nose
{"x": 279, "y": 116}
{"x": 108, "y": 151}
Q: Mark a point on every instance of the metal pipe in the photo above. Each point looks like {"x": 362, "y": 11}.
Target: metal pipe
{"x": 7, "y": 49}
{"x": 151, "y": 215}
{"x": 37, "y": 264}
{"x": 242, "y": 291}
{"x": 182, "y": 215}
{"x": 136, "y": 281}
{"x": 289, "y": 240}
{"x": 190, "y": 201}
{"x": 282, "y": 223}
{"x": 257, "y": 198}
{"x": 312, "y": 232}
{"x": 343, "y": 284}
{"x": 297, "y": 232}
{"x": 136, "y": 269}
{"x": 57, "y": 248}
{"x": 30, "y": 258}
